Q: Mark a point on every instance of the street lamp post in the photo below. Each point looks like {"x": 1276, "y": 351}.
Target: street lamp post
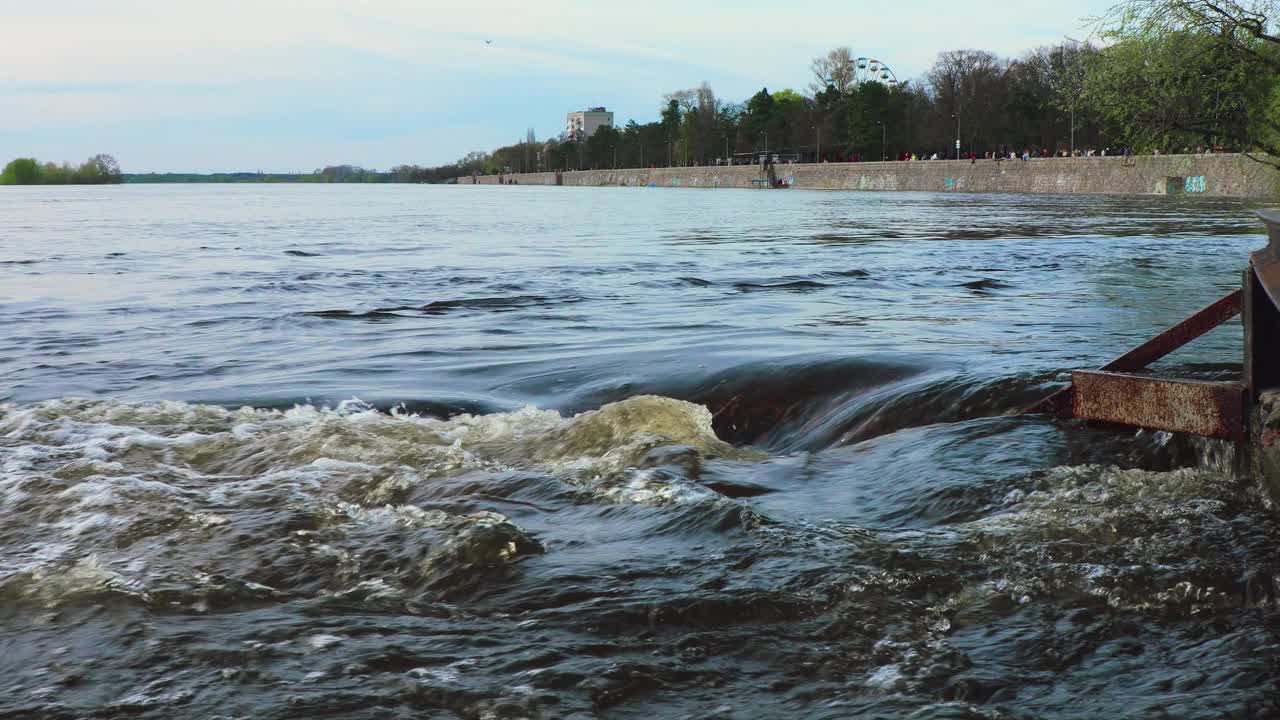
{"x": 817, "y": 156}
{"x": 1072, "y": 88}
{"x": 883, "y": 157}
{"x": 957, "y": 116}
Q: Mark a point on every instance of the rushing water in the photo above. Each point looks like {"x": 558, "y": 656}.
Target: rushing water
{"x": 500, "y": 452}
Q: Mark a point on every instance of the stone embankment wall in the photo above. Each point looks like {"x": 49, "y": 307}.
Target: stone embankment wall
{"x": 1208, "y": 175}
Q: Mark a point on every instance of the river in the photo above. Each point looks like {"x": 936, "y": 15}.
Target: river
{"x": 507, "y": 452}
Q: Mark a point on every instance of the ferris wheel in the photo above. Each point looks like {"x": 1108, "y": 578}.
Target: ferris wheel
{"x": 871, "y": 70}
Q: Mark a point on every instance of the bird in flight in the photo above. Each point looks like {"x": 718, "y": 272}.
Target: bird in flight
{"x": 488, "y": 42}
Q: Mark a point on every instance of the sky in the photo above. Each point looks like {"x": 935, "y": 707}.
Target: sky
{"x": 293, "y": 85}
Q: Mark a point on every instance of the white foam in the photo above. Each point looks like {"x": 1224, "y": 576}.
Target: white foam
{"x": 887, "y": 677}
{"x": 322, "y": 641}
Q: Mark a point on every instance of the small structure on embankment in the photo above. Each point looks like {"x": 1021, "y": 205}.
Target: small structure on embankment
{"x": 1221, "y": 175}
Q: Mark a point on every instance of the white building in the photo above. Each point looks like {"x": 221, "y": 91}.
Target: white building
{"x": 587, "y": 121}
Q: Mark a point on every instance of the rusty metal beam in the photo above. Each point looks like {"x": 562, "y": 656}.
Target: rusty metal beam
{"x": 1210, "y": 409}
{"x": 1195, "y": 325}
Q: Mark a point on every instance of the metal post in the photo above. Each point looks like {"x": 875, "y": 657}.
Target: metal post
{"x": 1261, "y": 344}
{"x": 957, "y": 133}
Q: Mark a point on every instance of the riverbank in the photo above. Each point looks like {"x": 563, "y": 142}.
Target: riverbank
{"x": 1225, "y": 175}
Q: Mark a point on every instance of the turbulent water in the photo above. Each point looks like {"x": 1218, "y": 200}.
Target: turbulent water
{"x": 501, "y": 452}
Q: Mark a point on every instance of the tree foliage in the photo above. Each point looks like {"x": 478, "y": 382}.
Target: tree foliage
{"x": 97, "y": 170}
{"x": 21, "y": 171}
{"x": 1190, "y": 73}
{"x": 1168, "y": 75}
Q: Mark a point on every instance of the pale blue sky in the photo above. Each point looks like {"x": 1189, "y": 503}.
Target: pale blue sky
{"x": 281, "y": 85}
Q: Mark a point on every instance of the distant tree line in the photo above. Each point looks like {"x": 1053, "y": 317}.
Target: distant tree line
{"x": 1164, "y": 76}
{"x": 236, "y": 177}
{"x": 97, "y": 170}
{"x": 1167, "y": 76}
{"x": 329, "y": 174}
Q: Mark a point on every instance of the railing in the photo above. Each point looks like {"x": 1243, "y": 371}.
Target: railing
{"x": 1114, "y": 394}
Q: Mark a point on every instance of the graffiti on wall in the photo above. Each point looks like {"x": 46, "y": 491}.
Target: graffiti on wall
{"x": 1194, "y": 184}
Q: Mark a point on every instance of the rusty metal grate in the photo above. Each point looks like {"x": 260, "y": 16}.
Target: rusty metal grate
{"x": 1112, "y": 394}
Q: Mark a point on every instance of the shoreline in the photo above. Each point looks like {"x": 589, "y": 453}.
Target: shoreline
{"x": 1222, "y": 175}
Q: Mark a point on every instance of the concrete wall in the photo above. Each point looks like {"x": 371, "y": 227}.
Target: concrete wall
{"x": 1208, "y": 175}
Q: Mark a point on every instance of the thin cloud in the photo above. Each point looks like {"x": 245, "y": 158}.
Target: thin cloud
{"x": 238, "y": 70}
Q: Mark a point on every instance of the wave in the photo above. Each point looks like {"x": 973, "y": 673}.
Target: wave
{"x": 816, "y": 281}
{"x": 808, "y": 404}
{"x": 985, "y": 284}
{"x": 797, "y": 285}
{"x": 508, "y": 303}
{"x": 206, "y": 506}
{"x": 528, "y": 521}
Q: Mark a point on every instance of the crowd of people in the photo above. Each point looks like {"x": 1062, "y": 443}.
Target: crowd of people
{"x": 1007, "y": 153}
{"x": 787, "y": 157}
{"x": 1010, "y": 154}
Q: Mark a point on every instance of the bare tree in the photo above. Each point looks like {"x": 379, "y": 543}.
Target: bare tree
{"x": 834, "y": 69}
{"x": 955, "y": 72}
{"x": 106, "y": 167}
{"x": 707, "y": 103}
{"x": 686, "y": 100}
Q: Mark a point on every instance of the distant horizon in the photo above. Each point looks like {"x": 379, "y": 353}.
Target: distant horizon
{"x": 285, "y": 87}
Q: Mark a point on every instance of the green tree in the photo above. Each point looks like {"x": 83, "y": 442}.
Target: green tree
{"x": 1176, "y": 91}
{"x": 602, "y": 146}
{"x": 21, "y": 171}
{"x": 756, "y": 119}
{"x": 1191, "y": 72}
{"x": 791, "y": 126}
{"x": 868, "y": 106}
